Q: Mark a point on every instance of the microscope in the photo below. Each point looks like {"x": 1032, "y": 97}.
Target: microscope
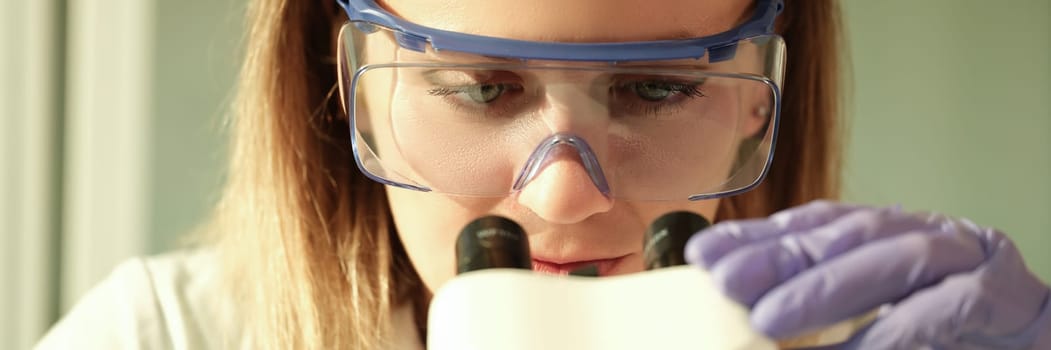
{"x": 498, "y": 302}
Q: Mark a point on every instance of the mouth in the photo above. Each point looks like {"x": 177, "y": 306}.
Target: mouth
{"x": 605, "y": 267}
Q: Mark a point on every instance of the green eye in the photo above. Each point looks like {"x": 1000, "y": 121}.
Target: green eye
{"x": 485, "y": 93}
{"x": 656, "y": 91}
{"x": 652, "y": 91}
{"x": 643, "y": 95}
{"x": 480, "y": 94}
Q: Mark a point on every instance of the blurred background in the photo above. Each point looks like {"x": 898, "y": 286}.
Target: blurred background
{"x": 112, "y": 142}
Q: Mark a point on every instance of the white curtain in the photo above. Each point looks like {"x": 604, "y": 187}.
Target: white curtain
{"x": 74, "y": 101}
{"x": 28, "y": 152}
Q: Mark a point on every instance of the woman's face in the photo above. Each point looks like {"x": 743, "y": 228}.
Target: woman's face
{"x": 567, "y": 219}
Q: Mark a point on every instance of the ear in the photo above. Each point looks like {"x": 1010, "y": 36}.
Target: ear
{"x": 757, "y": 111}
{"x": 756, "y": 120}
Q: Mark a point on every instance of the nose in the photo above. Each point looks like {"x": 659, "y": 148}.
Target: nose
{"x": 565, "y": 187}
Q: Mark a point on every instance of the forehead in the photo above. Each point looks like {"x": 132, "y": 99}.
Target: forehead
{"x": 576, "y": 20}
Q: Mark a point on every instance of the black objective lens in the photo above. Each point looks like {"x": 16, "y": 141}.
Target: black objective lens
{"x": 666, "y": 238}
{"x": 491, "y": 242}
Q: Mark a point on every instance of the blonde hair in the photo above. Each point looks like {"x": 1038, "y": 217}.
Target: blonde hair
{"x": 308, "y": 242}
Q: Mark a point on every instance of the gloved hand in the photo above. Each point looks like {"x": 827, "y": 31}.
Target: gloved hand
{"x": 942, "y": 282}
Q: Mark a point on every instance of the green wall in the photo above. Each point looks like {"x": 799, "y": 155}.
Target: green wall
{"x": 196, "y": 57}
{"x": 950, "y": 113}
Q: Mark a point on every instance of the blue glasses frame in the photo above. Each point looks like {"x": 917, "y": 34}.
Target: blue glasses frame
{"x": 366, "y": 14}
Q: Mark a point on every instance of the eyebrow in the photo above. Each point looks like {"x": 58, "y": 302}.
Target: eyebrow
{"x": 460, "y": 57}
{"x": 663, "y": 65}
{"x": 672, "y": 36}
{"x": 456, "y": 57}
{"x": 435, "y": 76}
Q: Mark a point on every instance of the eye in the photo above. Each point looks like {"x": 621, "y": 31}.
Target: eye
{"x": 478, "y": 94}
{"x": 656, "y": 91}
{"x": 478, "y": 87}
{"x": 485, "y": 93}
{"x": 663, "y": 96}
{"x": 651, "y": 91}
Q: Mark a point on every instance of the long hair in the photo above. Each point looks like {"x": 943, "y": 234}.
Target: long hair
{"x": 807, "y": 155}
{"x": 307, "y": 241}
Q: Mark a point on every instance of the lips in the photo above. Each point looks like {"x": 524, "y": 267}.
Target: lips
{"x": 604, "y": 266}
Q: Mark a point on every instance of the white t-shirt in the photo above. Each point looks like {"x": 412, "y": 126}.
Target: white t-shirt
{"x": 171, "y": 301}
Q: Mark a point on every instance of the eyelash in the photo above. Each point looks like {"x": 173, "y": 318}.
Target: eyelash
{"x": 682, "y": 93}
{"x": 689, "y": 90}
{"x": 494, "y": 110}
{"x": 444, "y": 91}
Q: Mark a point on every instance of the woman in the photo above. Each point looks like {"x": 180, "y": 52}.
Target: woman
{"x": 583, "y": 145}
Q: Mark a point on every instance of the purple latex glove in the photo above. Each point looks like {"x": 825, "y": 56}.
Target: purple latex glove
{"x": 943, "y": 282}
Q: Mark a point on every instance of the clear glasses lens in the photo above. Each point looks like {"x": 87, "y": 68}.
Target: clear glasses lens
{"x": 467, "y": 125}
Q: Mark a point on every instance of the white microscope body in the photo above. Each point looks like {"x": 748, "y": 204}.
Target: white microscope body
{"x": 668, "y": 308}
{"x": 498, "y": 302}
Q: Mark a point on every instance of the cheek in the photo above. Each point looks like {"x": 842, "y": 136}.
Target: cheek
{"x": 428, "y": 225}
